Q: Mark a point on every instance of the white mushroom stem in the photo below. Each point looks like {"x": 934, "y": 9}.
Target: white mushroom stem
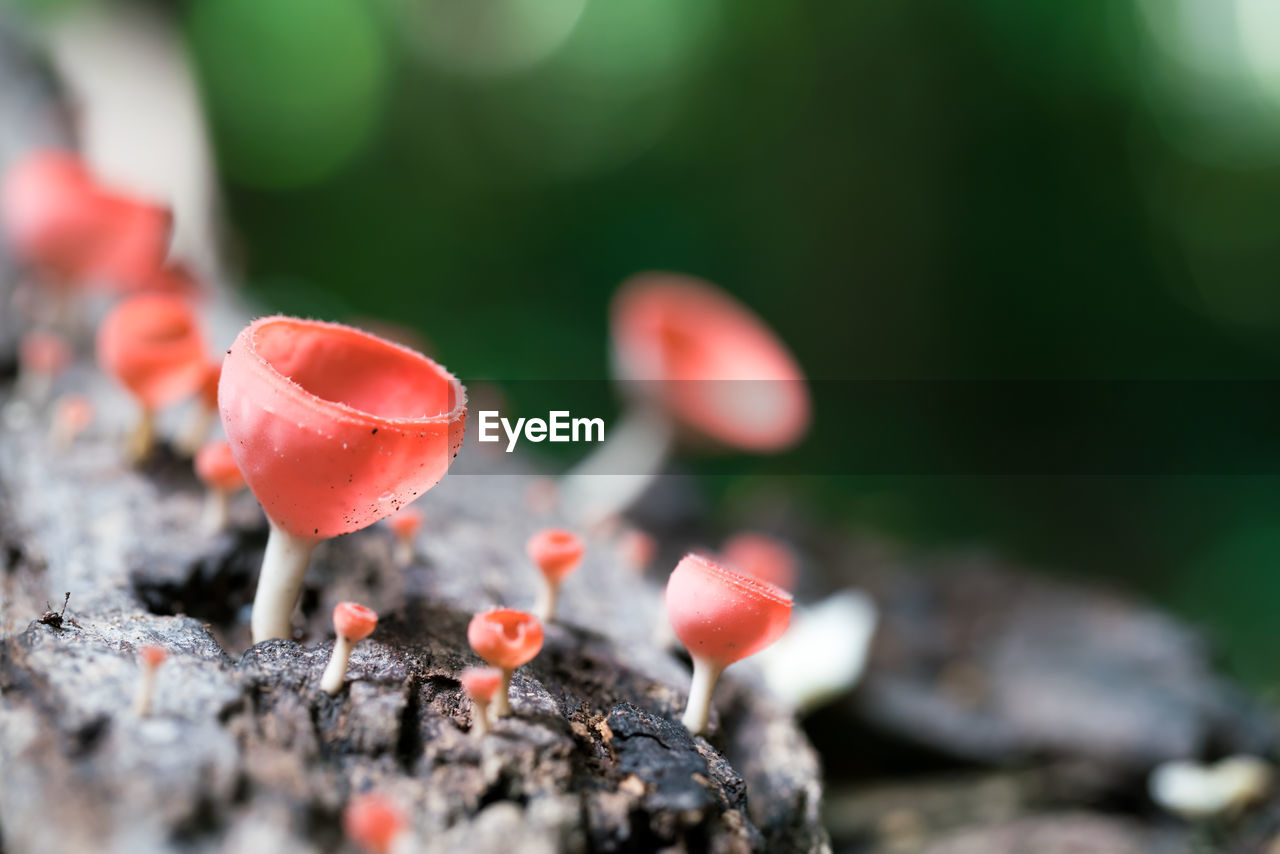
{"x": 196, "y": 430}
{"x": 548, "y": 596}
{"x": 698, "y": 712}
{"x": 404, "y": 551}
{"x": 479, "y": 718}
{"x": 336, "y": 673}
{"x": 146, "y": 687}
{"x": 502, "y": 700}
{"x": 217, "y": 510}
{"x": 614, "y": 475}
{"x": 279, "y": 583}
{"x": 143, "y": 436}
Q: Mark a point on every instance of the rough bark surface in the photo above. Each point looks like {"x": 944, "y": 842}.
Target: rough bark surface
{"x": 243, "y": 752}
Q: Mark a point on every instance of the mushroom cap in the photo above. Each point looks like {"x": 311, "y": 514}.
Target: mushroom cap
{"x": 335, "y": 428}
{"x": 638, "y": 547}
{"x": 709, "y": 361}
{"x": 557, "y": 552}
{"x": 216, "y": 467}
{"x": 44, "y": 353}
{"x": 722, "y": 615}
{"x": 762, "y": 556}
{"x": 405, "y": 522}
{"x": 153, "y": 656}
{"x": 481, "y": 683}
{"x": 47, "y": 207}
{"x": 505, "y": 637}
{"x": 136, "y": 243}
{"x": 152, "y": 344}
{"x": 373, "y": 822}
{"x": 208, "y": 392}
{"x": 73, "y": 413}
{"x": 353, "y": 621}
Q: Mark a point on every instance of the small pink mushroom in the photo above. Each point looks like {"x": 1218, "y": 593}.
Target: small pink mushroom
{"x": 72, "y": 415}
{"x": 201, "y": 421}
{"x": 720, "y": 616}
{"x": 405, "y": 524}
{"x": 217, "y": 470}
{"x": 557, "y": 553}
{"x": 41, "y": 357}
{"x": 373, "y": 822}
{"x": 334, "y": 429}
{"x": 482, "y": 685}
{"x": 506, "y": 639}
{"x": 689, "y": 356}
{"x": 638, "y": 548}
{"x": 762, "y": 556}
{"x": 151, "y": 657}
{"x": 352, "y": 623}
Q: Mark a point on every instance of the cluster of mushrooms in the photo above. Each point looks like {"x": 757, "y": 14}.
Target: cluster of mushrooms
{"x": 333, "y": 429}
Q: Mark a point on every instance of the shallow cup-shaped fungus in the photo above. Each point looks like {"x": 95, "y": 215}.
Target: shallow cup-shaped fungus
{"x": 692, "y": 357}
{"x": 482, "y": 685}
{"x": 334, "y": 429}
{"x": 373, "y": 822}
{"x": 217, "y": 470}
{"x": 506, "y": 639}
{"x": 763, "y": 557}
{"x": 152, "y": 344}
{"x": 405, "y": 524}
{"x": 557, "y": 553}
{"x": 151, "y": 657}
{"x": 720, "y": 616}
{"x": 41, "y": 357}
{"x": 352, "y": 623}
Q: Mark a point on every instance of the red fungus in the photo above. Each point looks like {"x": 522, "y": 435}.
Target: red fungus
{"x": 690, "y": 355}
{"x": 151, "y": 657}
{"x": 153, "y": 346}
{"x": 482, "y": 685}
{"x": 201, "y": 421}
{"x": 41, "y": 357}
{"x": 334, "y": 429}
{"x": 217, "y": 470}
{"x": 762, "y": 556}
{"x": 373, "y": 822}
{"x": 638, "y": 548}
{"x": 352, "y": 623}
{"x": 405, "y": 524}
{"x": 72, "y": 415}
{"x": 720, "y": 616}
{"x": 557, "y": 553}
{"x": 506, "y": 639}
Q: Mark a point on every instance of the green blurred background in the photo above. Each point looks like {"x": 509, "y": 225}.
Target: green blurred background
{"x": 904, "y": 189}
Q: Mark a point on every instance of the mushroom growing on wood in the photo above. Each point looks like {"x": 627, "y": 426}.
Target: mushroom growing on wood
{"x": 151, "y": 657}
{"x": 405, "y": 525}
{"x": 720, "y": 616}
{"x": 352, "y": 623}
{"x": 687, "y": 355}
{"x": 482, "y": 685}
{"x": 153, "y": 346}
{"x": 334, "y": 429}
{"x": 373, "y": 822}
{"x": 217, "y": 470}
{"x": 557, "y": 553}
{"x": 506, "y": 639}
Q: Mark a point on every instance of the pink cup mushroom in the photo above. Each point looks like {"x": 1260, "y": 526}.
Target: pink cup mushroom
{"x": 197, "y": 429}
{"x": 689, "y": 356}
{"x": 405, "y": 524}
{"x": 151, "y": 657}
{"x": 557, "y": 553}
{"x": 637, "y": 548}
{"x": 72, "y": 415}
{"x": 41, "y": 357}
{"x": 762, "y": 556}
{"x": 373, "y": 822}
{"x": 482, "y": 685}
{"x": 152, "y": 344}
{"x": 217, "y": 470}
{"x": 334, "y": 429}
{"x": 506, "y": 639}
{"x": 352, "y": 623}
{"x": 720, "y": 616}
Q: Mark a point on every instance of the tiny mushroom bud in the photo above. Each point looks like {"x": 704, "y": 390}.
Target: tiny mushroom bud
{"x": 41, "y": 357}
{"x": 72, "y": 415}
{"x": 152, "y": 657}
{"x": 506, "y": 639}
{"x": 153, "y": 346}
{"x": 720, "y": 616}
{"x": 217, "y": 470}
{"x": 482, "y": 685}
{"x": 352, "y": 623}
{"x": 405, "y": 524}
{"x": 557, "y": 553}
{"x": 763, "y": 556}
{"x": 334, "y": 429}
{"x": 373, "y": 822}
{"x": 637, "y": 548}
